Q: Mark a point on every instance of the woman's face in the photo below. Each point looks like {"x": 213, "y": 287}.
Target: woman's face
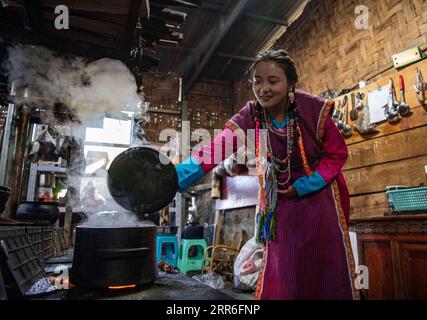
{"x": 270, "y": 84}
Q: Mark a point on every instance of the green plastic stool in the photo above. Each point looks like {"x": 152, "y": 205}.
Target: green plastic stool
{"x": 191, "y": 261}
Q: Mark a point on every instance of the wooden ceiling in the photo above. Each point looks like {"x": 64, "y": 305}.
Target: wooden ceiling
{"x": 193, "y": 39}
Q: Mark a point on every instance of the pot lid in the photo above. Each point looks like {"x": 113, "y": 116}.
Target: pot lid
{"x": 142, "y": 180}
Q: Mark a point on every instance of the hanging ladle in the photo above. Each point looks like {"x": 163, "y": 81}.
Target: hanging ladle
{"x": 346, "y": 129}
{"x": 420, "y": 87}
{"x": 403, "y": 108}
{"x": 391, "y": 111}
{"x": 339, "y": 122}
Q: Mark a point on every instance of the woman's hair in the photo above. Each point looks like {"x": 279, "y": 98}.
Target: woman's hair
{"x": 282, "y": 58}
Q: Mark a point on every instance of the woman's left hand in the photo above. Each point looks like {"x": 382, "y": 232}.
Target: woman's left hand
{"x": 290, "y": 192}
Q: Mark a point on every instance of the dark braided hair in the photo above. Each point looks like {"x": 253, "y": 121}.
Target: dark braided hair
{"x": 282, "y": 58}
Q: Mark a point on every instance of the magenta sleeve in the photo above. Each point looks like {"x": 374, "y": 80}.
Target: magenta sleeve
{"x": 335, "y": 152}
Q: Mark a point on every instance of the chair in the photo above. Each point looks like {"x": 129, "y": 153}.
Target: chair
{"x": 220, "y": 258}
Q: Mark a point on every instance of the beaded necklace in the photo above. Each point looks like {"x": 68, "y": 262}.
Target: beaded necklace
{"x": 268, "y": 180}
{"x": 284, "y": 165}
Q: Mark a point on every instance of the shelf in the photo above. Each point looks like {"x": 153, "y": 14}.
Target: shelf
{"x": 165, "y": 111}
{"x": 51, "y": 168}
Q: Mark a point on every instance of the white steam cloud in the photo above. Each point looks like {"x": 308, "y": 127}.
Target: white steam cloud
{"x": 88, "y": 89}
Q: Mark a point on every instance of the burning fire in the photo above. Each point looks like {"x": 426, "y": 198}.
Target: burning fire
{"x": 61, "y": 281}
{"x": 130, "y": 286}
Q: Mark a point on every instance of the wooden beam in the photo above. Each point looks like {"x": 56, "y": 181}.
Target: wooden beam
{"x": 135, "y": 10}
{"x": 267, "y": 19}
{"x": 103, "y": 28}
{"x": 146, "y": 9}
{"x": 220, "y": 31}
{"x": 82, "y": 37}
{"x": 218, "y": 54}
{"x": 218, "y": 226}
{"x": 108, "y": 6}
{"x": 200, "y": 187}
{"x": 34, "y": 16}
{"x": 234, "y": 56}
{"x": 227, "y": 83}
{"x": 164, "y": 111}
{"x": 253, "y": 16}
{"x": 80, "y": 48}
{"x": 208, "y": 94}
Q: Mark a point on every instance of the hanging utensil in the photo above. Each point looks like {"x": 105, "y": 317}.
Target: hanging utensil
{"x": 346, "y": 129}
{"x": 353, "y": 112}
{"x": 336, "y": 111}
{"x": 404, "y": 108}
{"x": 420, "y": 87}
{"x": 391, "y": 108}
{"x": 339, "y": 122}
{"x": 359, "y": 104}
{"x": 363, "y": 124}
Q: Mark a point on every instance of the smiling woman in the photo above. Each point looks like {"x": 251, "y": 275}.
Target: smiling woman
{"x": 303, "y": 199}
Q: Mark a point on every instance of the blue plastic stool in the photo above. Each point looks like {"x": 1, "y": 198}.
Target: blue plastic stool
{"x": 167, "y": 249}
{"x": 191, "y": 255}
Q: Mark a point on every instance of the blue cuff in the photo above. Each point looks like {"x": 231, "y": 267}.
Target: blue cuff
{"x": 189, "y": 171}
{"x": 309, "y": 184}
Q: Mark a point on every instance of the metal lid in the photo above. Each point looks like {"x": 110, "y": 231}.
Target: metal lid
{"x": 142, "y": 180}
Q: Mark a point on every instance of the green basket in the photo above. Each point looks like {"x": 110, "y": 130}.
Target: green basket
{"x": 411, "y": 199}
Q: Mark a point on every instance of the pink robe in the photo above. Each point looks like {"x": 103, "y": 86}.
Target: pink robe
{"x": 311, "y": 257}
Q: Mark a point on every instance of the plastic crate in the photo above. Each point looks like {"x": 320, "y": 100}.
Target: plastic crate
{"x": 411, "y": 199}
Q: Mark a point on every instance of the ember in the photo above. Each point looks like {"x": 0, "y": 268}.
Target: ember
{"x": 131, "y": 286}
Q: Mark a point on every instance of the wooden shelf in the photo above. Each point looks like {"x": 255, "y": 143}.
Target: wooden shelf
{"x": 164, "y": 111}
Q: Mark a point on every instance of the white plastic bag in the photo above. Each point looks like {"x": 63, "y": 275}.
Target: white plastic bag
{"x": 247, "y": 265}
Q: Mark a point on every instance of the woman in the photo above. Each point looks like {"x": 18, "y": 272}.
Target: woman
{"x": 304, "y": 202}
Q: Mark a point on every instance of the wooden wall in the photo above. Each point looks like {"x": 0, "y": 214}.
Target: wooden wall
{"x": 209, "y": 104}
{"x": 395, "y": 156}
{"x": 330, "y": 53}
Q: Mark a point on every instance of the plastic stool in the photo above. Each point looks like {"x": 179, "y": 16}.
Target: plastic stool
{"x": 167, "y": 249}
{"x": 189, "y": 261}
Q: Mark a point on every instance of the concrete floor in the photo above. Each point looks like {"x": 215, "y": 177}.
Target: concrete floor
{"x": 236, "y": 293}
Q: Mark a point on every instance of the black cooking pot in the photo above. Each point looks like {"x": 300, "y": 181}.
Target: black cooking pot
{"x": 142, "y": 180}
{"x": 37, "y": 211}
{"x": 110, "y": 257}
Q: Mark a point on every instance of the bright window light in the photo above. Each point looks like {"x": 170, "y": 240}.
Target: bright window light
{"x": 114, "y": 131}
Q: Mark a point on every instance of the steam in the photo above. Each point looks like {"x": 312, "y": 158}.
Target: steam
{"x": 115, "y": 219}
{"x": 71, "y": 93}
{"x": 83, "y": 89}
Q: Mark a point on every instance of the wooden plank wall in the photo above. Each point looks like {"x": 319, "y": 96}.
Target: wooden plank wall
{"x": 209, "y": 105}
{"x": 395, "y": 156}
{"x": 330, "y": 53}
